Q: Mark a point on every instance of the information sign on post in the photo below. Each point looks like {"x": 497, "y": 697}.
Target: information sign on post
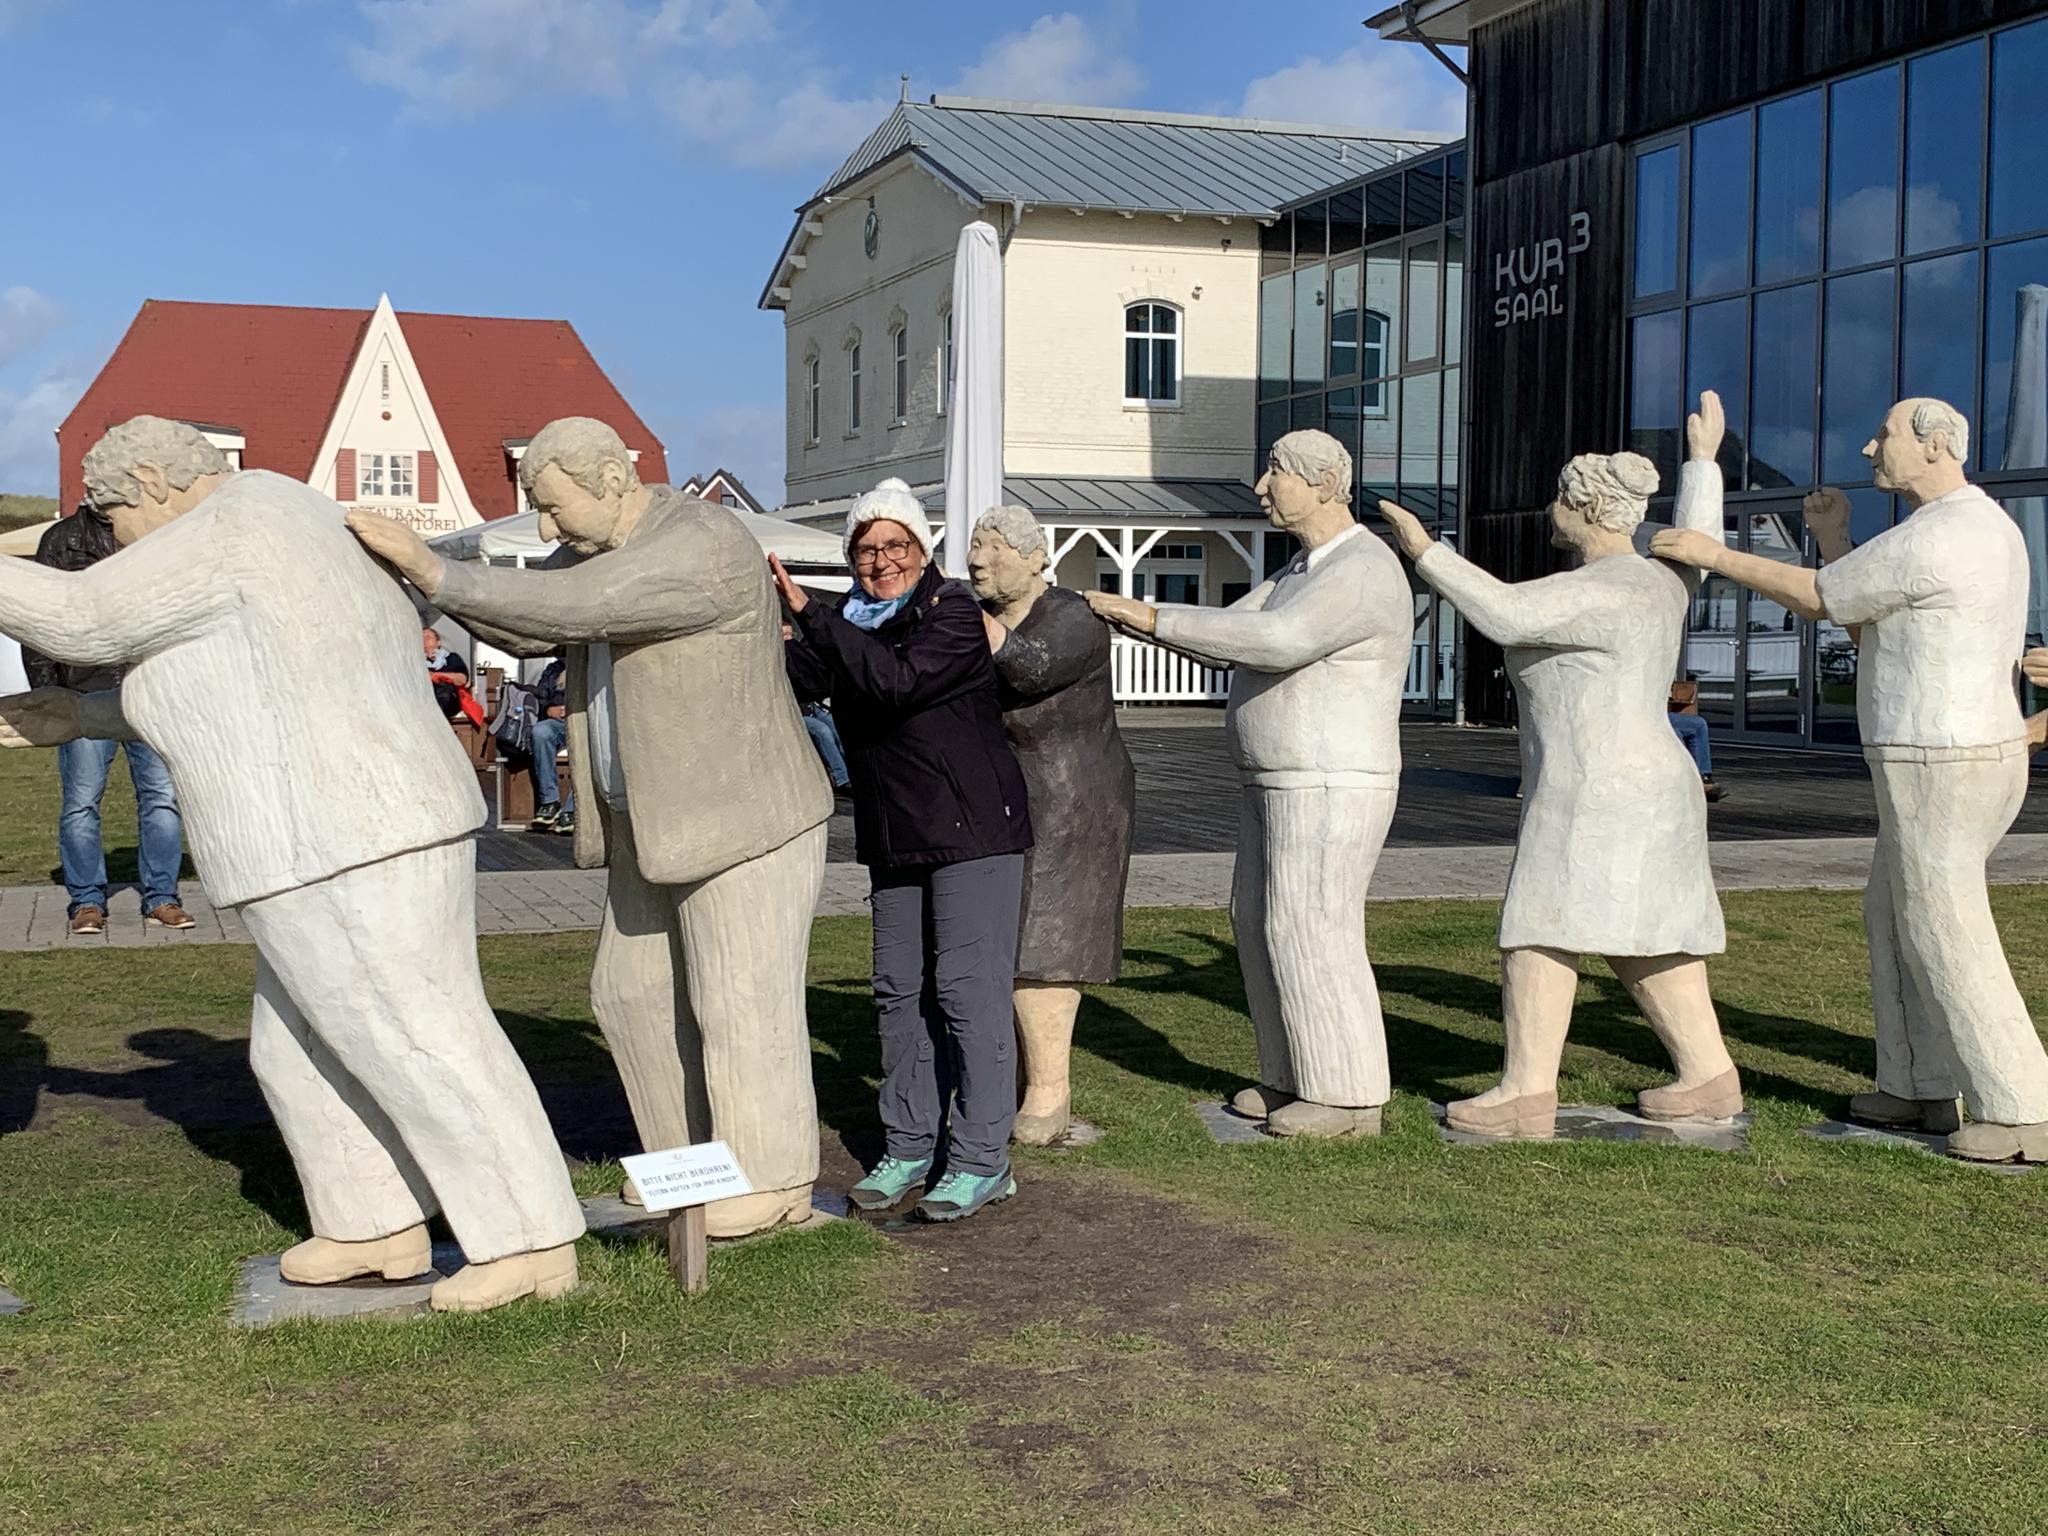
{"x": 683, "y": 1180}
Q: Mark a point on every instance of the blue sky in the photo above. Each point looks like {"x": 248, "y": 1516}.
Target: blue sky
{"x": 628, "y": 165}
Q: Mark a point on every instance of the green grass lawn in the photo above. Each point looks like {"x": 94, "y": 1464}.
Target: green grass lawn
{"x": 1158, "y": 1335}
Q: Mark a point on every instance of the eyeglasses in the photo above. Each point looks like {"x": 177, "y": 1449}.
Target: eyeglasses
{"x": 895, "y": 551}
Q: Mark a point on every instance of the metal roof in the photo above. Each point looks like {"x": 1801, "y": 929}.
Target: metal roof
{"x": 1068, "y": 498}
{"x": 1112, "y": 160}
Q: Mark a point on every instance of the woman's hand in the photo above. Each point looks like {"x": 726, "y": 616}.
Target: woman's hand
{"x": 792, "y": 594}
{"x": 996, "y": 630}
{"x": 1409, "y": 533}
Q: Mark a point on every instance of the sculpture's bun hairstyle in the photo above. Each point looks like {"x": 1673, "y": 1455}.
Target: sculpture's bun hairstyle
{"x": 1612, "y": 489}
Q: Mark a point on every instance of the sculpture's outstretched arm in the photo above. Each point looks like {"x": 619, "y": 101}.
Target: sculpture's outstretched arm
{"x": 158, "y": 591}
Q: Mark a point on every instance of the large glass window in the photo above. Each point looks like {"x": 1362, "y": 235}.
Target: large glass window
{"x": 1788, "y": 140}
{"x": 1944, "y": 148}
{"x": 1863, "y": 169}
{"x": 1276, "y": 334}
{"x": 1657, "y": 222}
{"x": 1717, "y": 358}
{"x": 1425, "y": 296}
{"x": 2013, "y": 431}
{"x": 1783, "y": 392}
{"x": 1720, "y": 206}
{"x": 1309, "y": 306}
{"x": 1654, "y": 392}
{"x": 2019, "y": 149}
{"x": 1344, "y": 321}
{"x": 1937, "y": 330}
{"x": 1856, "y": 370}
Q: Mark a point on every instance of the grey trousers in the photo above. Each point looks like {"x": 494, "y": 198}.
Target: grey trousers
{"x": 945, "y": 962}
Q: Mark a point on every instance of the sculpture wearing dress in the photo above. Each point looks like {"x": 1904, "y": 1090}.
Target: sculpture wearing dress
{"x": 709, "y": 806}
{"x": 1313, "y": 720}
{"x": 1938, "y": 609}
{"x": 1052, "y": 657}
{"x": 277, "y": 672}
{"x": 1611, "y": 858}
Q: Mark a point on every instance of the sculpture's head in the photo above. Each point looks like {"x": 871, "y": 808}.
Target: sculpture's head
{"x": 577, "y": 473}
{"x": 1006, "y": 561}
{"x": 1600, "y": 496}
{"x": 148, "y": 471}
{"x": 888, "y": 540}
{"x": 1920, "y": 449}
{"x": 1307, "y": 481}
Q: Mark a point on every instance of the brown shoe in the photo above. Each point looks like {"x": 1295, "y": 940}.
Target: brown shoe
{"x": 1718, "y": 1099}
{"x": 1986, "y": 1141}
{"x": 1305, "y": 1117}
{"x": 1258, "y": 1101}
{"x": 88, "y": 920}
{"x": 1889, "y": 1112}
{"x": 1531, "y": 1117}
{"x": 170, "y": 915}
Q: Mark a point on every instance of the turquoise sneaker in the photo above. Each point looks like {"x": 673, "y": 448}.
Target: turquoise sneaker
{"x": 889, "y": 1181}
{"x": 959, "y": 1195}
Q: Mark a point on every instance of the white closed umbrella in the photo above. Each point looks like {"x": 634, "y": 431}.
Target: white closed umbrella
{"x": 974, "y": 425}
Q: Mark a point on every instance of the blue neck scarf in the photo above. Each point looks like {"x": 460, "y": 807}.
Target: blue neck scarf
{"x": 864, "y": 612}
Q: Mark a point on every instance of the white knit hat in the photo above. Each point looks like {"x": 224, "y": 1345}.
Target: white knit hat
{"x": 892, "y": 500}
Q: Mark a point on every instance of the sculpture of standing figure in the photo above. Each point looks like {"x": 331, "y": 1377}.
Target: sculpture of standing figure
{"x": 709, "y": 805}
{"x": 1938, "y": 608}
{"x": 1321, "y": 653}
{"x": 1052, "y": 656}
{"x": 1612, "y": 855}
{"x": 277, "y": 672}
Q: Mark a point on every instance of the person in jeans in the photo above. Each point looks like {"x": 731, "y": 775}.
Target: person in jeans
{"x": 1691, "y": 726}
{"x": 940, "y": 820}
{"x": 550, "y": 731}
{"x": 72, "y": 544}
{"x": 817, "y": 709}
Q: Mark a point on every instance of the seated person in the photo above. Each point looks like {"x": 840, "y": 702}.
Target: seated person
{"x": 822, "y": 729}
{"x": 1691, "y": 727}
{"x": 451, "y": 679}
{"x": 549, "y": 733}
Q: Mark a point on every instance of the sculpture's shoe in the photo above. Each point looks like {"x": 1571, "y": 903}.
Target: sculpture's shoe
{"x": 480, "y": 1287}
{"x": 1304, "y": 1117}
{"x": 959, "y": 1195}
{"x": 630, "y": 1193}
{"x": 1259, "y": 1101}
{"x": 1533, "y": 1116}
{"x": 1986, "y": 1141}
{"x": 1889, "y": 1112}
{"x": 891, "y": 1180}
{"x": 329, "y": 1260}
{"x": 1718, "y": 1098}
{"x": 1035, "y": 1130}
{"x": 758, "y": 1212}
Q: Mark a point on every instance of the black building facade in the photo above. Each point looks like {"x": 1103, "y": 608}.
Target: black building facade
{"x": 1814, "y": 207}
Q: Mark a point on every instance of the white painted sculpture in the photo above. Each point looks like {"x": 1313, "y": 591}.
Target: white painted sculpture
{"x": 1059, "y": 708}
{"x": 277, "y": 672}
{"x": 1938, "y": 608}
{"x": 707, "y": 802}
{"x": 1321, "y": 653}
{"x": 1612, "y": 855}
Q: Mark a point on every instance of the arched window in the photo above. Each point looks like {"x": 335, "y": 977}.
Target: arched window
{"x": 852, "y": 345}
{"x": 945, "y": 358}
{"x": 900, "y": 384}
{"x": 1151, "y": 354}
{"x": 811, "y": 400}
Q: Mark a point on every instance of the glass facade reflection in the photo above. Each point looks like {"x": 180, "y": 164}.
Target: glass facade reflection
{"x": 1360, "y": 333}
{"x": 1814, "y": 258}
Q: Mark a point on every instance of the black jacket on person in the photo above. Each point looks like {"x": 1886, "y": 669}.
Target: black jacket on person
{"x": 551, "y": 689}
{"x": 934, "y": 780}
{"x": 71, "y": 544}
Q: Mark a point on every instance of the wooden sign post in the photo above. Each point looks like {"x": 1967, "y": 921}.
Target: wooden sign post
{"x": 682, "y": 1180}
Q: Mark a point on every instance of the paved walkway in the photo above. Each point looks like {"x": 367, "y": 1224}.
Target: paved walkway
{"x": 567, "y": 901}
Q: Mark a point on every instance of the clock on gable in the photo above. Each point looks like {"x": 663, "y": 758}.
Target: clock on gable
{"x": 871, "y": 233}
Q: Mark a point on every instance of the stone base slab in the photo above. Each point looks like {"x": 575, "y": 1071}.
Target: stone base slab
{"x": 1227, "y": 1126}
{"x": 12, "y": 1305}
{"x": 1603, "y": 1122}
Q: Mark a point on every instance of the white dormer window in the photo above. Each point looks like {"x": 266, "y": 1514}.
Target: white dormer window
{"x": 384, "y": 477}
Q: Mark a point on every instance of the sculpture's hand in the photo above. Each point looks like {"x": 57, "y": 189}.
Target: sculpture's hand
{"x": 1409, "y": 533}
{"x": 996, "y": 631}
{"x": 1687, "y": 546}
{"x": 1827, "y": 519}
{"x": 42, "y": 717}
{"x": 1705, "y": 428}
{"x": 2034, "y": 666}
{"x": 792, "y": 594}
{"x": 1124, "y": 612}
{"x": 398, "y": 547}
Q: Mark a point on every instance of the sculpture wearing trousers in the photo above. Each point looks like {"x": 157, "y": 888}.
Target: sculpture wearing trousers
{"x": 1938, "y": 609}
{"x": 1052, "y": 657}
{"x": 277, "y": 672}
{"x": 1321, "y": 653}
{"x": 708, "y": 803}
{"x": 1612, "y": 855}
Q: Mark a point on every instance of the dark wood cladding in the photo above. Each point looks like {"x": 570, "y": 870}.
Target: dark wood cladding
{"x": 1567, "y": 75}
{"x": 1518, "y": 544}
{"x": 1547, "y": 388}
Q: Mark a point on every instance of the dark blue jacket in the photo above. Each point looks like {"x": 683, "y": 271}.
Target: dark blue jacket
{"x": 916, "y": 703}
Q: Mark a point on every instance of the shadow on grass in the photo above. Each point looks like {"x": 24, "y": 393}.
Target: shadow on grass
{"x": 24, "y": 1062}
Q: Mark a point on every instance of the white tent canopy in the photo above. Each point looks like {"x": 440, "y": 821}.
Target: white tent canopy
{"x": 518, "y": 538}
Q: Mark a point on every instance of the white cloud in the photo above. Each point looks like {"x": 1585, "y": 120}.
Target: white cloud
{"x": 474, "y": 55}
{"x": 1056, "y": 59}
{"x": 26, "y": 317}
{"x": 28, "y": 425}
{"x": 1373, "y": 84}
{"x": 732, "y": 118}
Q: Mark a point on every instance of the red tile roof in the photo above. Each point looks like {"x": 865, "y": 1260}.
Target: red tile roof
{"x": 275, "y": 374}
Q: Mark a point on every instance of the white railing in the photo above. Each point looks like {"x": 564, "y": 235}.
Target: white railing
{"x": 1144, "y": 673}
